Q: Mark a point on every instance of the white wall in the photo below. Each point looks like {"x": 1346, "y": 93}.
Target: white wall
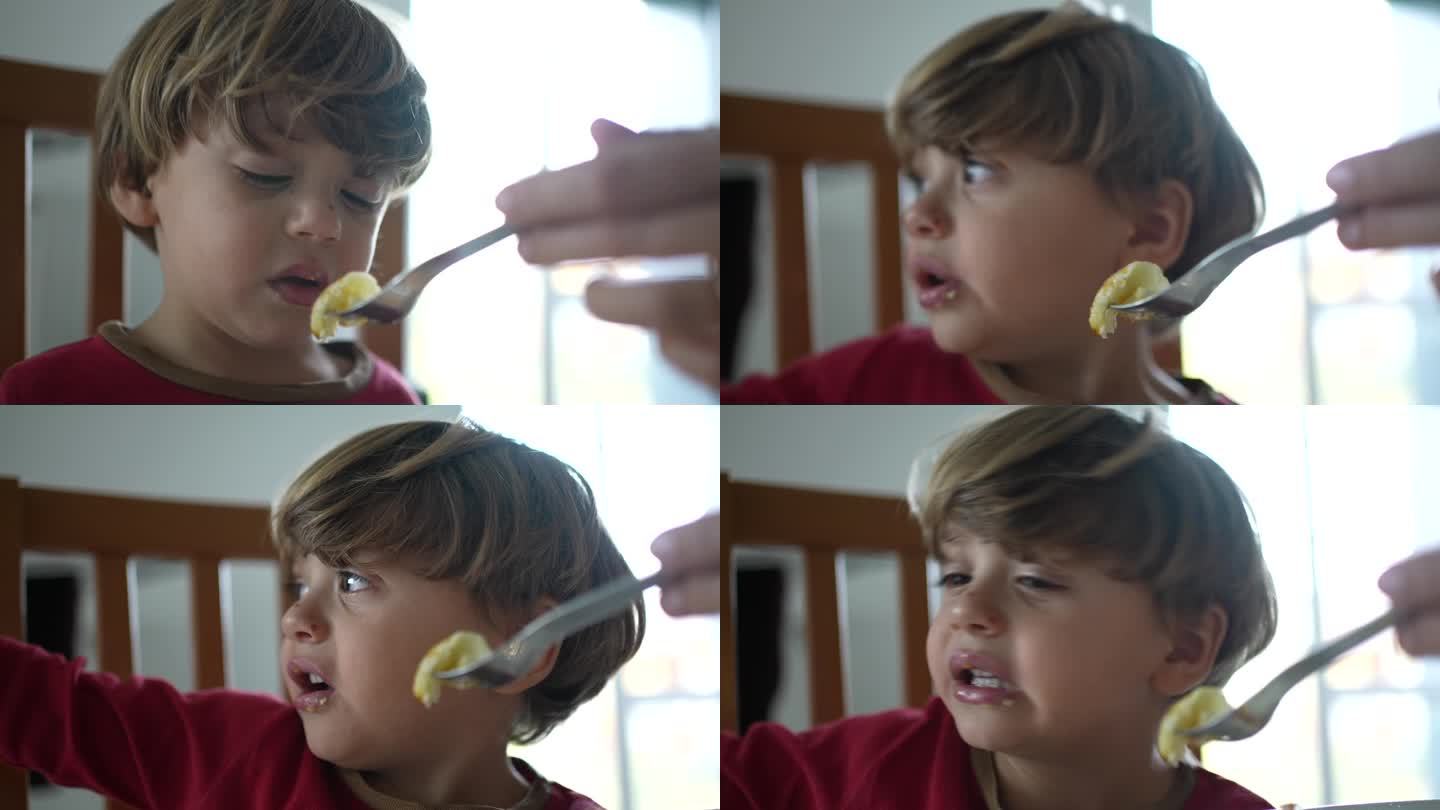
{"x": 238, "y": 455}
{"x": 853, "y": 53}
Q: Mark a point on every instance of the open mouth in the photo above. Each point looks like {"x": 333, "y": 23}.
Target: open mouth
{"x": 312, "y": 691}
{"x": 300, "y": 282}
{"x": 935, "y": 286}
{"x": 928, "y": 280}
{"x": 981, "y": 679}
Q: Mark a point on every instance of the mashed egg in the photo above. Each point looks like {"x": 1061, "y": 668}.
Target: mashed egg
{"x": 1201, "y": 707}
{"x": 346, "y": 292}
{"x": 1133, "y": 282}
{"x": 460, "y": 650}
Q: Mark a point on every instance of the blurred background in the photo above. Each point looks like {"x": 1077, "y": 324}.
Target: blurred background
{"x": 1338, "y": 495}
{"x": 1305, "y": 85}
{"x": 513, "y": 88}
{"x": 647, "y": 742}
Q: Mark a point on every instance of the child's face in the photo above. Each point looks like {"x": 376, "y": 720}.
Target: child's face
{"x": 1006, "y": 252}
{"x": 236, "y": 227}
{"x": 1074, "y": 649}
{"x": 365, "y": 629}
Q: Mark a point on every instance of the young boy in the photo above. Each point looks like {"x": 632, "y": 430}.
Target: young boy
{"x": 394, "y": 540}
{"x": 254, "y": 145}
{"x": 1048, "y": 149}
{"x": 1093, "y": 571}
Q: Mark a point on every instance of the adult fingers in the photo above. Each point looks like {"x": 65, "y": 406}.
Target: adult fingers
{"x": 643, "y": 172}
{"x": 690, "y": 230}
{"x": 1406, "y": 170}
{"x": 1392, "y": 226}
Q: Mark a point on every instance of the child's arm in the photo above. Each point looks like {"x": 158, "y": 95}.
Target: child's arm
{"x": 137, "y": 740}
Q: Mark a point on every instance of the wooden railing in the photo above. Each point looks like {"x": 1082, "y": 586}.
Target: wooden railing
{"x": 113, "y": 530}
{"x": 822, "y": 525}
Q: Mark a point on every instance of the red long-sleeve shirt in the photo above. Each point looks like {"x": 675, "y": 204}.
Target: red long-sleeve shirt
{"x": 905, "y": 759}
{"x": 143, "y": 742}
{"x": 112, "y": 368}
{"x": 903, "y": 366}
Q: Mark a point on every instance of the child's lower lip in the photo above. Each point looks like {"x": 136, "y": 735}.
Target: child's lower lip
{"x": 983, "y": 695}
{"x": 312, "y": 701}
{"x": 297, "y": 293}
{"x": 939, "y": 295}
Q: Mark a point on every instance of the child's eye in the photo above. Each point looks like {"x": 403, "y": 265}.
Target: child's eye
{"x": 953, "y": 579}
{"x": 976, "y": 172}
{"x": 295, "y": 589}
{"x": 362, "y": 203}
{"x": 266, "y": 181}
{"x": 350, "y": 582}
{"x": 915, "y": 182}
{"x": 1038, "y": 584}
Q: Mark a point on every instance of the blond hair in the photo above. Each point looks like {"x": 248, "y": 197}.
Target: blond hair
{"x": 336, "y": 64}
{"x": 455, "y": 501}
{"x": 1092, "y": 484}
{"x": 1080, "y": 88}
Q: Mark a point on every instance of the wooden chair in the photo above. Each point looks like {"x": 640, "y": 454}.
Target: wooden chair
{"x": 821, "y": 525}
{"x": 793, "y": 134}
{"x": 114, "y": 529}
{"x": 42, "y": 97}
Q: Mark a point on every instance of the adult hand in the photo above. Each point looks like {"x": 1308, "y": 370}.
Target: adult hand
{"x": 1415, "y": 583}
{"x": 691, "y": 554}
{"x": 645, "y": 194}
{"x": 1398, "y": 189}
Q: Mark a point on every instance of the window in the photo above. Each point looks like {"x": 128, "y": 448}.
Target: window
{"x": 513, "y": 88}
{"x": 1335, "y": 326}
{"x": 1338, "y": 496}
{"x": 650, "y": 741}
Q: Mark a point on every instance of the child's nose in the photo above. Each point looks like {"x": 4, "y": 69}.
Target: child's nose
{"x": 975, "y": 612}
{"x": 926, "y": 219}
{"x": 315, "y": 219}
{"x": 302, "y": 624}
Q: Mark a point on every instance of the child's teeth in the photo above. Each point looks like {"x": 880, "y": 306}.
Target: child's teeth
{"x": 981, "y": 678}
{"x": 315, "y": 678}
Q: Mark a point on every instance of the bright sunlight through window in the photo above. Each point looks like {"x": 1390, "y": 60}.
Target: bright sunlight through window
{"x": 513, "y": 89}
{"x": 650, "y": 741}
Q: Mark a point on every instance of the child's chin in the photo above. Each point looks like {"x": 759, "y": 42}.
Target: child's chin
{"x": 954, "y": 337}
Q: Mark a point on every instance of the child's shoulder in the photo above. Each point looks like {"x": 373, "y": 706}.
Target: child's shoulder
{"x": 386, "y": 384}
{"x": 60, "y": 375}
{"x": 897, "y": 758}
{"x": 1215, "y": 791}
{"x": 902, "y": 366}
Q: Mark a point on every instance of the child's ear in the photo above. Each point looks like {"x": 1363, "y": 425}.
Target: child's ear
{"x": 1162, "y": 224}
{"x": 541, "y": 670}
{"x": 137, "y": 206}
{"x": 1193, "y": 647}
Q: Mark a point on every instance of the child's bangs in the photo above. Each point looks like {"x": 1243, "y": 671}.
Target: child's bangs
{"x": 1125, "y": 522}
{"x": 1068, "y": 87}
{"x": 355, "y": 522}
{"x": 335, "y": 67}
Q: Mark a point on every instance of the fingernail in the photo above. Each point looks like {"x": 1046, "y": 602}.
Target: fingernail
{"x": 504, "y": 199}
{"x": 1341, "y": 178}
{"x": 1349, "y": 232}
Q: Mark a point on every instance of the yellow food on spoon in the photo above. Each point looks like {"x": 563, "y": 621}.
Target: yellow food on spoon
{"x": 460, "y": 650}
{"x": 348, "y": 291}
{"x": 1201, "y": 707}
{"x": 1133, "y": 282}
